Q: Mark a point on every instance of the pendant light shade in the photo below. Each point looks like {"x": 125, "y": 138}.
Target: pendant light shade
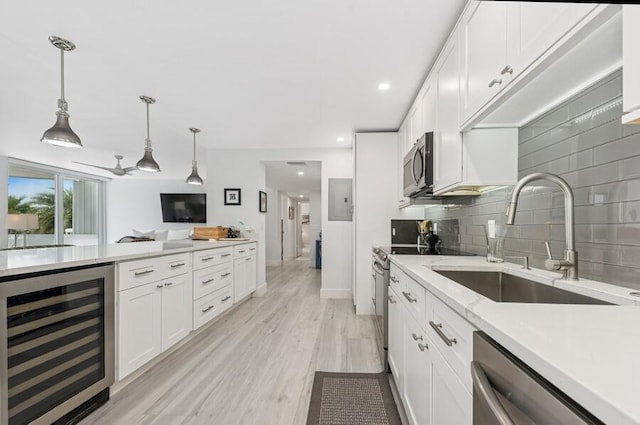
{"x": 61, "y": 133}
{"x": 147, "y": 163}
{"x": 194, "y": 178}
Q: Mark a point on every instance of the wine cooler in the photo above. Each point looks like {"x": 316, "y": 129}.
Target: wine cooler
{"x": 56, "y": 344}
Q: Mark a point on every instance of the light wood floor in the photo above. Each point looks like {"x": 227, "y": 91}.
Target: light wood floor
{"x": 255, "y": 365}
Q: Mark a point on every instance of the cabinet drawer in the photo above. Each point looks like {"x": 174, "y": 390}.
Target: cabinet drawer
{"x": 244, "y": 250}
{"x": 210, "y": 306}
{"x": 210, "y": 257}
{"x": 397, "y": 279}
{"x": 210, "y": 279}
{"x": 173, "y": 265}
{"x": 453, "y": 336}
{"x": 139, "y": 272}
{"x": 414, "y": 297}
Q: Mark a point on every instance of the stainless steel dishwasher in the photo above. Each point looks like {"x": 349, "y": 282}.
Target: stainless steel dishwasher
{"x": 508, "y": 392}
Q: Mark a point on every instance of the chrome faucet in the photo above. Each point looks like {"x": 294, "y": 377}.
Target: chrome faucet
{"x": 568, "y": 265}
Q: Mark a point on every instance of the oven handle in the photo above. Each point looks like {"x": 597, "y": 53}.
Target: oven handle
{"x": 413, "y": 163}
{"x": 378, "y": 269}
{"x": 487, "y": 396}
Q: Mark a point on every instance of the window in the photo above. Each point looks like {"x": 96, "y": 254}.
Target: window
{"x": 49, "y": 206}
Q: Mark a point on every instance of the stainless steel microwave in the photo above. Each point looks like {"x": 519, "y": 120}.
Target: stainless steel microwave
{"x": 418, "y": 168}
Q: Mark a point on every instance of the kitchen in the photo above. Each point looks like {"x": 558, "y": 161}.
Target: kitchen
{"x": 557, "y": 109}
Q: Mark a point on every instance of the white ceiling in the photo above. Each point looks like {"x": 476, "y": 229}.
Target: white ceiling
{"x": 280, "y": 175}
{"x": 249, "y": 73}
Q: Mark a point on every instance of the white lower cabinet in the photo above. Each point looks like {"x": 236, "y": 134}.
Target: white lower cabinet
{"x": 176, "y": 309}
{"x": 417, "y": 381}
{"x": 431, "y": 375}
{"x": 245, "y": 276}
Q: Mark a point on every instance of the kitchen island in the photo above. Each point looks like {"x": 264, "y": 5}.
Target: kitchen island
{"x": 589, "y": 352}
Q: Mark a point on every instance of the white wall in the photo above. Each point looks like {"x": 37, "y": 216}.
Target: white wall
{"x": 4, "y": 198}
{"x": 315, "y": 222}
{"x": 289, "y": 237}
{"x": 272, "y": 228}
{"x": 242, "y": 168}
{"x": 135, "y": 204}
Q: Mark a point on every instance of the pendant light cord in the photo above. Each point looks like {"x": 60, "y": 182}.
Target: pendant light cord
{"x": 194, "y": 147}
{"x": 148, "y": 141}
{"x": 62, "y": 74}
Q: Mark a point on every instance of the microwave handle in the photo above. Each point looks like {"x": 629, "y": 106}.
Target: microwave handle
{"x": 487, "y": 396}
{"x": 416, "y": 152}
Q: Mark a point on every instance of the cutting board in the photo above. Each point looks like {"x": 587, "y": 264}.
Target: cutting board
{"x": 232, "y": 239}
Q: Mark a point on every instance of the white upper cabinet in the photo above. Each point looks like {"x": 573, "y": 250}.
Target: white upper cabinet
{"x": 427, "y": 100}
{"x": 532, "y": 28}
{"x": 484, "y": 47}
{"x": 403, "y": 148}
{"x": 415, "y": 122}
{"x": 631, "y": 64}
{"x": 448, "y": 140}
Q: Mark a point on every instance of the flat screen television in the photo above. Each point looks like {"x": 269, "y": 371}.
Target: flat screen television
{"x": 184, "y": 207}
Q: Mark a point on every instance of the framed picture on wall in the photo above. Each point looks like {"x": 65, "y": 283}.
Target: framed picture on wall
{"x": 232, "y": 196}
{"x": 292, "y": 213}
{"x": 262, "y": 201}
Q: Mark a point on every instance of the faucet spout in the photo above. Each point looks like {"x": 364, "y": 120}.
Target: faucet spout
{"x": 570, "y": 263}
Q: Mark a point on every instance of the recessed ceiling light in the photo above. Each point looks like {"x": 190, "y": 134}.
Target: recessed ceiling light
{"x": 384, "y": 86}
{"x": 301, "y": 196}
{"x": 301, "y": 173}
{"x": 340, "y": 139}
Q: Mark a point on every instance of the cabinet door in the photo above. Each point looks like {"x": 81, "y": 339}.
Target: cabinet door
{"x": 176, "y": 309}
{"x": 415, "y": 121}
{"x": 251, "y": 273}
{"x": 239, "y": 279}
{"x": 396, "y": 339}
{"x": 451, "y": 403}
{"x": 630, "y": 58}
{"x": 532, "y": 28}
{"x": 448, "y": 140}
{"x": 139, "y": 326}
{"x": 483, "y": 34}
{"x": 428, "y": 102}
{"x": 417, "y": 382}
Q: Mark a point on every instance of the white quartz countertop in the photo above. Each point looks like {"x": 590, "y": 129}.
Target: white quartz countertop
{"x": 590, "y": 352}
{"x": 20, "y": 261}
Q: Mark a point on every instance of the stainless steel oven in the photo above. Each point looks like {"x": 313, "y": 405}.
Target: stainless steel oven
{"x": 418, "y": 168}
{"x": 507, "y": 392}
{"x": 379, "y": 291}
{"x": 56, "y": 344}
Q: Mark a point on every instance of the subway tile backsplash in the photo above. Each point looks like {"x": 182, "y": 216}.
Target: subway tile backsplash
{"x": 583, "y": 141}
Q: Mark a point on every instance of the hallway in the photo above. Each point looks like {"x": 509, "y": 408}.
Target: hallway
{"x": 255, "y": 365}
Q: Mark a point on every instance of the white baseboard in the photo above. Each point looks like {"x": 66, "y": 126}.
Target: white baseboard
{"x": 273, "y": 263}
{"x": 261, "y": 291}
{"x": 341, "y": 294}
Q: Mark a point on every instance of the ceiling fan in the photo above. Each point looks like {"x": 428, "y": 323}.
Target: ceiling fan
{"x": 117, "y": 170}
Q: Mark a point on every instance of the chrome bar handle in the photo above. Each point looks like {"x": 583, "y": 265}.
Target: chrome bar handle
{"x": 393, "y": 279}
{"x": 417, "y": 337}
{"x": 494, "y": 82}
{"x": 225, "y": 274}
{"x": 207, "y": 258}
{"x": 226, "y": 298}
{"x": 438, "y": 328}
{"x": 409, "y": 298}
{"x": 142, "y": 273}
{"x": 159, "y": 285}
{"x": 225, "y": 255}
{"x": 506, "y": 70}
{"x": 173, "y": 266}
{"x": 487, "y": 396}
{"x": 391, "y": 300}
{"x": 423, "y": 347}
{"x": 168, "y": 284}
{"x": 207, "y": 309}
{"x": 204, "y": 282}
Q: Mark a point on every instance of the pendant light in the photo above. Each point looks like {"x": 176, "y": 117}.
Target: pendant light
{"x": 61, "y": 134}
{"x": 147, "y": 163}
{"x": 194, "y": 178}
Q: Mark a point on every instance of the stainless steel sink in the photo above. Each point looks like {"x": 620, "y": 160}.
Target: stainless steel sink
{"x": 506, "y": 288}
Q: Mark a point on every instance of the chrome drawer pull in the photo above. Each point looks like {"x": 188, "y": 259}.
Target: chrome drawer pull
{"x": 207, "y": 258}
{"x": 173, "y": 266}
{"x": 247, "y": 259}
{"x": 417, "y": 338}
{"x": 225, "y": 274}
{"x": 207, "y": 309}
{"x": 168, "y": 284}
{"x": 204, "y": 282}
{"x": 409, "y": 298}
{"x": 226, "y": 298}
{"x": 159, "y": 285}
{"x": 142, "y": 273}
{"x": 242, "y": 251}
{"x": 423, "y": 347}
{"x": 391, "y": 300}
{"x": 393, "y": 279}
{"x": 225, "y": 255}
{"x": 252, "y": 249}
{"x": 494, "y": 82}
{"x": 438, "y": 328}
{"x": 506, "y": 70}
